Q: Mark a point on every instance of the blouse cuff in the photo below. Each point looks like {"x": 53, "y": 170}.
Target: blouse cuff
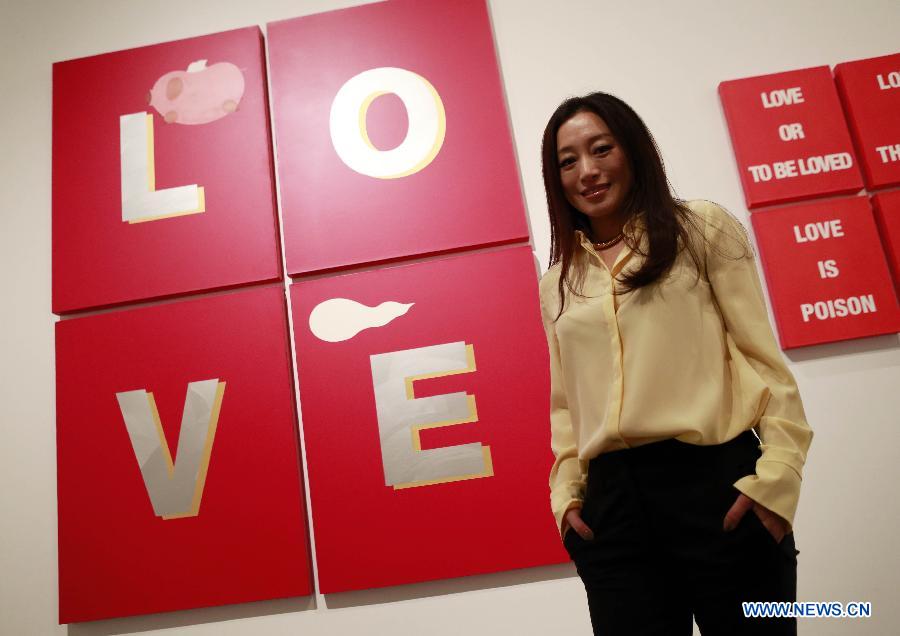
{"x": 776, "y": 486}
{"x": 568, "y": 497}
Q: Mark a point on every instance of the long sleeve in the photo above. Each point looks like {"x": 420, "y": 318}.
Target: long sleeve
{"x": 567, "y": 476}
{"x": 782, "y": 426}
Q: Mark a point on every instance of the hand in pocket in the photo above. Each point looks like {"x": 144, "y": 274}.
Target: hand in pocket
{"x": 577, "y": 524}
{"x": 776, "y": 525}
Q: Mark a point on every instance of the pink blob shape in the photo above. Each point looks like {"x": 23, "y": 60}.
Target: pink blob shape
{"x": 207, "y": 93}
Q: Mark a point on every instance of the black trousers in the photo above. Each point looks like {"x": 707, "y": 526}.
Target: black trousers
{"x": 660, "y": 556}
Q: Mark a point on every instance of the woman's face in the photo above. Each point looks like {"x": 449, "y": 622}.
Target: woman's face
{"x": 593, "y": 167}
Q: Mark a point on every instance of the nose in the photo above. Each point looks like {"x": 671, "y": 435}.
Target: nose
{"x": 588, "y": 171}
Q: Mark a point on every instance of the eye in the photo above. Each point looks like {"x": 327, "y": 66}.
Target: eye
{"x": 565, "y": 163}
{"x": 602, "y": 149}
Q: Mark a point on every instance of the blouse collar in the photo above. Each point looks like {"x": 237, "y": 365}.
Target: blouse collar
{"x": 634, "y": 229}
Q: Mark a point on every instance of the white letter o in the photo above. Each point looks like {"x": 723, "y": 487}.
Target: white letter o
{"x": 424, "y": 108}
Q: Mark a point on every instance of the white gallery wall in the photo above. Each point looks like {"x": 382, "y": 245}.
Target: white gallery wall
{"x": 666, "y": 59}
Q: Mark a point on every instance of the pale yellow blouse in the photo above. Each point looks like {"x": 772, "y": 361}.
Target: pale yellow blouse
{"x": 686, "y": 357}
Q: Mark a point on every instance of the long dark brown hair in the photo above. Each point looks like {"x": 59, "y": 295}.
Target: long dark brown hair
{"x": 668, "y": 221}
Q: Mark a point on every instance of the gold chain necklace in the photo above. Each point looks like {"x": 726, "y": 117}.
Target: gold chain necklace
{"x": 607, "y": 244}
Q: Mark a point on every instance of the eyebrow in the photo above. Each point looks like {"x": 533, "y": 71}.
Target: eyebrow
{"x": 590, "y": 141}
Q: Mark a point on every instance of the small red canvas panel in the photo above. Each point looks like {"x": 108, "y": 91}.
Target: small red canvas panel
{"x": 870, "y": 91}
{"x": 424, "y": 397}
{"x": 826, "y": 272}
{"x": 887, "y": 214}
{"x": 392, "y": 134}
{"x": 178, "y": 474}
{"x": 789, "y": 136}
{"x": 162, "y": 172}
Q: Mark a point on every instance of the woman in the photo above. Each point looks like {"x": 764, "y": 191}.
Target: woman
{"x": 662, "y": 365}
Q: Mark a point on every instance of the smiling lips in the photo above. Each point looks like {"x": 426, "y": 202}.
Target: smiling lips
{"x": 595, "y": 193}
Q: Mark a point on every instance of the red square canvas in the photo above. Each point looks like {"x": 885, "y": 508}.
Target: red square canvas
{"x": 870, "y": 91}
{"x": 179, "y": 482}
{"x": 887, "y": 215}
{"x": 424, "y": 396}
{"x": 392, "y": 134}
{"x": 789, "y": 136}
{"x": 162, "y": 172}
{"x": 826, "y": 272}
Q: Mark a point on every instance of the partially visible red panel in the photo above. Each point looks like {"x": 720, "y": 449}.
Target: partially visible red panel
{"x": 887, "y": 214}
{"x": 789, "y": 136}
{"x": 826, "y": 272}
{"x": 424, "y": 395}
{"x": 870, "y": 91}
{"x": 179, "y": 483}
{"x": 162, "y": 172}
{"x": 392, "y": 134}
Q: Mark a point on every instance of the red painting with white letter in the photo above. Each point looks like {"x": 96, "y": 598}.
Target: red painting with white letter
{"x": 827, "y": 275}
{"x": 424, "y": 394}
{"x": 162, "y": 172}
{"x": 392, "y": 134}
{"x": 179, "y": 484}
{"x": 887, "y": 214}
{"x": 870, "y": 91}
{"x": 789, "y": 136}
